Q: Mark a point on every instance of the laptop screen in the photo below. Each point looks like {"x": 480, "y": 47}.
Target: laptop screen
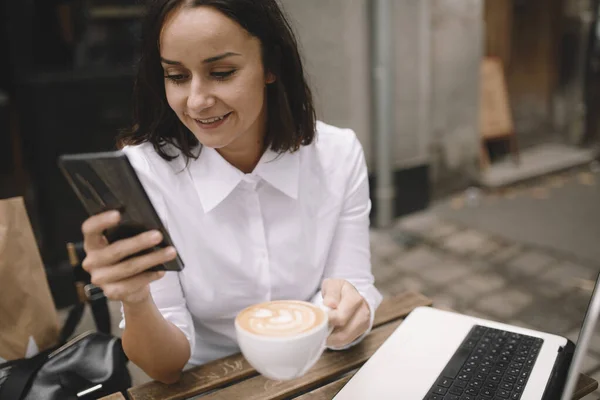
{"x": 585, "y": 335}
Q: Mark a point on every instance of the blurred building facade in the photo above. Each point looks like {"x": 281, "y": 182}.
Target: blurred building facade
{"x": 437, "y": 49}
{"x": 546, "y": 47}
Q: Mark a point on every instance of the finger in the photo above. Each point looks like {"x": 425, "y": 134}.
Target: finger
{"x": 132, "y": 267}
{"x": 121, "y": 289}
{"x": 121, "y": 249}
{"x": 94, "y": 227}
{"x": 331, "y": 289}
{"x": 350, "y": 302}
{"x": 358, "y": 324}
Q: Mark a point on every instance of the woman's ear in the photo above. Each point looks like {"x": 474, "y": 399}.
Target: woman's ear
{"x": 270, "y": 78}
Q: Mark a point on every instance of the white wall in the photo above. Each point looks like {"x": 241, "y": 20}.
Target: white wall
{"x": 334, "y": 36}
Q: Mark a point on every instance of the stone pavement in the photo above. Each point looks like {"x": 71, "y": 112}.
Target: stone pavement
{"x": 486, "y": 276}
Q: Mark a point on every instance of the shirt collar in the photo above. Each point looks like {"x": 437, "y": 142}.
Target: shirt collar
{"x": 282, "y": 171}
{"x": 215, "y": 178}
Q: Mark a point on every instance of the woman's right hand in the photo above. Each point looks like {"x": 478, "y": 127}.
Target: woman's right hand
{"x": 123, "y": 280}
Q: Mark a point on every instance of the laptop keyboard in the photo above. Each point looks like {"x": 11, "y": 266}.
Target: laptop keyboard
{"x": 489, "y": 364}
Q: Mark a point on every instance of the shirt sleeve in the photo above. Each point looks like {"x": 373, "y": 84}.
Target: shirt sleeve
{"x": 349, "y": 255}
{"x": 167, "y": 292}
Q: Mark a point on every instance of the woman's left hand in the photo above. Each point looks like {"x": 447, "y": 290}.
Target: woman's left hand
{"x": 350, "y": 315}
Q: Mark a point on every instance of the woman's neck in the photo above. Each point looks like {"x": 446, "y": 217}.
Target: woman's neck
{"x": 245, "y": 152}
{"x": 246, "y": 157}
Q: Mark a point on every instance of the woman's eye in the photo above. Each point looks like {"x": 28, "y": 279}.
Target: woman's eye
{"x": 177, "y": 78}
{"x": 221, "y": 75}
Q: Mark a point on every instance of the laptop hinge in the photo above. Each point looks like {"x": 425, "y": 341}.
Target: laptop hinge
{"x": 558, "y": 377}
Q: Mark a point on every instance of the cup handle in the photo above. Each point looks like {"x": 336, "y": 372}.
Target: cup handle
{"x": 327, "y": 310}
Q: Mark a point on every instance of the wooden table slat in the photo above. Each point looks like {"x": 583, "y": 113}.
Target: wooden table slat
{"x": 585, "y": 386}
{"x": 330, "y": 365}
{"x": 328, "y": 391}
{"x": 114, "y": 396}
{"x": 235, "y": 368}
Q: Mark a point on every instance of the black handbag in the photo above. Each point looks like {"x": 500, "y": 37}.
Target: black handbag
{"x": 89, "y": 366}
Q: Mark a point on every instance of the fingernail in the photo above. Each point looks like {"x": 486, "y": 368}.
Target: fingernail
{"x": 155, "y": 235}
{"x": 114, "y": 215}
{"x": 170, "y": 252}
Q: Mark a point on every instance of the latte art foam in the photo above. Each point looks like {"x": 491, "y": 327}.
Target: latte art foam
{"x": 280, "y": 318}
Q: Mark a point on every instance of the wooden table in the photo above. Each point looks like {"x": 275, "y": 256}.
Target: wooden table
{"x": 233, "y": 378}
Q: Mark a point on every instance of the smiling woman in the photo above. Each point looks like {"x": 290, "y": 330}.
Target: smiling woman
{"x": 216, "y": 83}
{"x": 223, "y": 66}
{"x": 223, "y": 142}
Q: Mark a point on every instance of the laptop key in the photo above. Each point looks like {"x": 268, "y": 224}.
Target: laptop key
{"x": 461, "y": 383}
{"x": 525, "y": 374}
{"x": 530, "y": 362}
{"x": 444, "y": 382}
{"x": 491, "y": 385}
{"x": 480, "y": 376}
{"x": 456, "y": 390}
{"x": 451, "y": 397}
{"x": 464, "y": 376}
{"x": 469, "y": 344}
{"x": 519, "y": 388}
{"x": 435, "y": 397}
{"x": 440, "y": 390}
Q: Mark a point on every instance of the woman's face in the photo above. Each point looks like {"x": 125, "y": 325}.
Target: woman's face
{"x": 214, "y": 77}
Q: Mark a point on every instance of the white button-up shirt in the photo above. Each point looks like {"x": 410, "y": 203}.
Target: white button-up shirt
{"x": 275, "y": 233}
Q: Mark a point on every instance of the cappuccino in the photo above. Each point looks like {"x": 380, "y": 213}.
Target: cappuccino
{"x": 281, "y": 318}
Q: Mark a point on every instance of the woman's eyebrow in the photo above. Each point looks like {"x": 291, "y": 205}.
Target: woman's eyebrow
{"x": 206, "y": 61}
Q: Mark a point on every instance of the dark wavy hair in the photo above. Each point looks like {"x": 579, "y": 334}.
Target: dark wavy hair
{"x": 291, "y": 113}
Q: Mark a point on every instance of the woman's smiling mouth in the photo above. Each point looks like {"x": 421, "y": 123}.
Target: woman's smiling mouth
{"x": 212, "y": 122}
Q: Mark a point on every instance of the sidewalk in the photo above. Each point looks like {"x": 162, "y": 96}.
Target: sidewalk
{"x": 490, "y": 277}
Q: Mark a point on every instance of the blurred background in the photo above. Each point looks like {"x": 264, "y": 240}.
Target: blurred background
{"x": 484, "y": 160}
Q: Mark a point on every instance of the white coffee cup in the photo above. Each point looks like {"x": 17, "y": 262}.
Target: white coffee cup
{"x": 283, "y": 356}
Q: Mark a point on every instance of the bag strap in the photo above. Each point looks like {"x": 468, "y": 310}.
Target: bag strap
{"x": 71, "y": 323}
{"x": 21, "y": 375}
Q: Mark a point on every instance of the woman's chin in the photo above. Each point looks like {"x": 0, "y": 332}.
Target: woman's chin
{"x": 212, "y": 141}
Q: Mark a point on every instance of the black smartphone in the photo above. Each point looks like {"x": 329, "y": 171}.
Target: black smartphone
{"x": 107, "y": 181}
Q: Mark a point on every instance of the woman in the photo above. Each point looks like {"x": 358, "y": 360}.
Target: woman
{"x": 262, "y": 201}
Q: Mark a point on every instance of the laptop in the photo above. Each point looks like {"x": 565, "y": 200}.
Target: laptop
{"x": 441, "y": 355}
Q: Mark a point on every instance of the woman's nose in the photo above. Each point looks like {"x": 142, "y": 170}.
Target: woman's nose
{"x": 200, "y": 98}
